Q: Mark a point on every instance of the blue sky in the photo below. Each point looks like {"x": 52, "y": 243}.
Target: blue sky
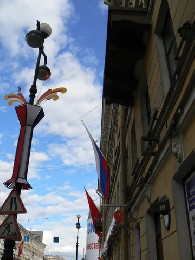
{"x": 62, "y": 159}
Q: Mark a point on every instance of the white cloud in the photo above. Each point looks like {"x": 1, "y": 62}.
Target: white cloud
{"x": 6, "y": 169}
{"x": 60, "y": 214}
{"x": 1, "y": 136}
{"x": 55, "y": 13}
{"x": 3, "y": 109}
{"x": 103, "y": 8}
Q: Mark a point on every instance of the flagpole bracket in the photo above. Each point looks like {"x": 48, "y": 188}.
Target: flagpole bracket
{"x": 114, "y": 205}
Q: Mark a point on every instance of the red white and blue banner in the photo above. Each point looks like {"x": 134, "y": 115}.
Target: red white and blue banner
{"x": 29, "y": 116}
{"x": 102, "y": 168}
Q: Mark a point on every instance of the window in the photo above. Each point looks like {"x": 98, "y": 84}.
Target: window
{"x": 169, "y": 44}
{"x": 166, "y": 45}
{"x": 159, "y": 245}
{"x": 133, "y": 146}
{"x": 153, "y": 232}
{"x": 145, "y": 107}
{"x": 137, "y": 243}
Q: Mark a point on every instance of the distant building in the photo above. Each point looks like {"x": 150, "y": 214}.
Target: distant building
{"x": 52, "y": 257}
{"x": 148, "y": 130}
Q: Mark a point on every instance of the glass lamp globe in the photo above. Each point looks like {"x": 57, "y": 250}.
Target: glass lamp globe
{"x": 35, "y": 39}
{"x": 43, "y": 72}
{"x": 45, "y": 30}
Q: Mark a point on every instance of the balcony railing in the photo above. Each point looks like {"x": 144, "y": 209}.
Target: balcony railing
{"x": 127, "y": 34}
{"x": 138, "y": 4}
{"x": 134, "y": 3}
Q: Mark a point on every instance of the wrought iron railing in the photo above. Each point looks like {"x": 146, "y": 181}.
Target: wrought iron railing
{"x": 134, "y": 3}
{"x": 131, "y": 4}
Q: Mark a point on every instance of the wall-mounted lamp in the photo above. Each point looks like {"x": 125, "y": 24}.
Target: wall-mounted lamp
{"x": 164, "y": 206}
{"x": 164, "y": 210}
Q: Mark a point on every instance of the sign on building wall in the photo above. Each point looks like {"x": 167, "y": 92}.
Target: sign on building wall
{"x": 92, "y": 246}
{"x": 190, "y": 195}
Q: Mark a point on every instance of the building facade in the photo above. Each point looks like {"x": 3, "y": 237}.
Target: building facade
{"x": 52, "y": 257}
{"x": 148, "y": 126}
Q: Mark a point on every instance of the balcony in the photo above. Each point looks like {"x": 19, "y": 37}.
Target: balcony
{"x": 127, "y": 33}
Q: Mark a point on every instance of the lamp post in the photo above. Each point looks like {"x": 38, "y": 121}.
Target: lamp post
{"x": 78, "y": 226}
{"x": 35, "y": 39}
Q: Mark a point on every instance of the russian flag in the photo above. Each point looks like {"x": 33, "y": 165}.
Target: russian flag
{"x": 102, "y": 168}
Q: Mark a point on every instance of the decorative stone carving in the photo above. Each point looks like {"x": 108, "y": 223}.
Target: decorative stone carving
{"x": 177, "y": 148}
{"x": 148, "y": 192}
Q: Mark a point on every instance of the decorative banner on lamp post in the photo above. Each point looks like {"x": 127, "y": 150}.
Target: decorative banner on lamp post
{"x": 29, "y": 116}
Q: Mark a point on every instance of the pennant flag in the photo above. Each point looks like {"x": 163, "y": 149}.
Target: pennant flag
{"x": 102, "y": 168}
{"x": 96, "y": 216}
{"x": 20, "y": 248}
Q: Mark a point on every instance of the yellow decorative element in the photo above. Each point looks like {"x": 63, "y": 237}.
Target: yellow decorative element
{"x": 15, "y": 98}
{"x": 51, "y": 94}
{"x": 10, "y": 103}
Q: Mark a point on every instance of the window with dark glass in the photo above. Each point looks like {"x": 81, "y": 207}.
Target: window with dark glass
{"x": 166, "y": 44}
{"x": 145, "y": 107}
{"x": 159, "y": 244}
{"x": 169, "y": 42}
{"x": 133, "y": 146}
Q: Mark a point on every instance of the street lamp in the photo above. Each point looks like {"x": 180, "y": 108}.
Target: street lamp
{"x": 78, "y": 226}
{"x": 35, "y": 39}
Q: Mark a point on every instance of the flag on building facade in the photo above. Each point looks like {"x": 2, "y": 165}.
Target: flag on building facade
{"x": 102, "y": 168}
{"x": 96, "y": 215}
{"x": 20, "y": 248}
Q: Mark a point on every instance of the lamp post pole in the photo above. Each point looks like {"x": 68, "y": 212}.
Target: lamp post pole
{"x": 31, "y": 40}
{"x": 35, "y": 39}
{"x": 78, "y": 226}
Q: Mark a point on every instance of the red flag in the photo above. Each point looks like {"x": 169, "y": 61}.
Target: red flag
{"x": 20, "y": 248}
{"x": 96, "y": 215}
